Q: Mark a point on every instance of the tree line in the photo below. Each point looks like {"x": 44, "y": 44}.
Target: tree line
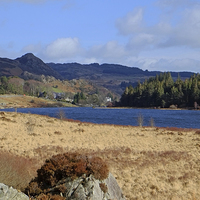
{"x": 163, "y": 91}
{"x": 7, "y": 87}
{"x": 16, "y": 85}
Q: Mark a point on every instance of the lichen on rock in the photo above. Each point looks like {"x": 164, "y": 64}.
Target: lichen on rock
{"x": 9, "y": 193}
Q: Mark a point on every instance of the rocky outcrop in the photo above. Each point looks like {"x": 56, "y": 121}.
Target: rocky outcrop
{"x": 73, "y": 176}
{"x": 9, "y": 193}
{"x": 84, "y": 188}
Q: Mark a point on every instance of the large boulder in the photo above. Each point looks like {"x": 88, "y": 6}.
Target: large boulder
{"x": 84, "y": 188}
{"x": 9, "y": 193}
{"x": 74, "y": 177}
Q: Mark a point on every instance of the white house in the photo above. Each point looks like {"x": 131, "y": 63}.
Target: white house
{"x": 108, "y": 99}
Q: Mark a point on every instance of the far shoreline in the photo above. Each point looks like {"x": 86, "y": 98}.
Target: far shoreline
{"x": 23, "y": 101}
{"x": 145, "y": 108}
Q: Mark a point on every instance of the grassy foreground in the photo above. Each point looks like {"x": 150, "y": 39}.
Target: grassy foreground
{"x": 148, "y": 162}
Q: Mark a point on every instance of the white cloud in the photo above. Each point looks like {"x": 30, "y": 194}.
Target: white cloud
{"x": 112, "y": 51}
{"x": 181, "y": 29}
{"x": 161, "y": 29}
{"x": 131, "y": 23}
{"x": 154, "y": 64}
{"x": 11, "y": 54}
{"x": 186, "y": 32}
{"x": 62, "y": 48}
{"x": 70, "y": 50}
{"x": 90, "y": 60}
{"x": 168, "y": 44}
{"x": 140, "y": 41}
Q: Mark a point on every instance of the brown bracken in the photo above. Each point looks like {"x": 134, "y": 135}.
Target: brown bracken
{"x": 66, "y": 165}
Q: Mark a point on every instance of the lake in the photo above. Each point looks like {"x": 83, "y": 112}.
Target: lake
{"x": 162, "y": 118}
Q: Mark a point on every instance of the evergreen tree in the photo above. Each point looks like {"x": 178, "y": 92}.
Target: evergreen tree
{"x": 4, "y": 82}
{"x": 163, "y": 91}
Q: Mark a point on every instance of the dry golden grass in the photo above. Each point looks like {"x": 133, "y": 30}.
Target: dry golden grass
{"x": 17, "y": 171}
{"x": 148, "y": 162}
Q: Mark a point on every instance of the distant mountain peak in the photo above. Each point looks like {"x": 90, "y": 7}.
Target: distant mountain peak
{"x": 32, "y": 64}
{"x": 29, "y": 55}
{"x": 29, "y": 58}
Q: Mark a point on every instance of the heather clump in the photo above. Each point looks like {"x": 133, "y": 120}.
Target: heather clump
{"x": 62, "y": 166}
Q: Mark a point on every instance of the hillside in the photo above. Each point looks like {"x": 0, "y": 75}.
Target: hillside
{"x": 112, "y": 76}
{"x": 27, "y": 63}
{"x": 23, "y": 101}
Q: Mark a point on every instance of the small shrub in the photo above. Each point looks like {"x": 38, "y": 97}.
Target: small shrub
{"x": 61, "y": 114}
{"x": 57, "y": 133}
{"x": 173, "y": 106}
{"x": 30, "y": 125}
{"x": 32, "y": 101}
{"x": 151, "y": 122}
{"x": 140, "y": 120}
{"x": 65, "y": 165}
{"x": 197, "y": 132}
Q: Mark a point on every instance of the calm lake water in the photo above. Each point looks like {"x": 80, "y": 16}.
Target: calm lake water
{"x": 162, "y": 118}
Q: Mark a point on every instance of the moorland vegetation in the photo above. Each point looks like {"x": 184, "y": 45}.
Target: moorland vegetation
{"x": 147, "y": 162}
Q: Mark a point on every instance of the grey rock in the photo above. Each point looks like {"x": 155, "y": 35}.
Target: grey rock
{"x": 9, "y": 193}
{"x": 114, "y": 190}
{"x": 84, "y": 188}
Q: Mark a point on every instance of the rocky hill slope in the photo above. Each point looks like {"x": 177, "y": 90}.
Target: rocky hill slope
{"x": 113, "y": 77}
{"x": 27, "y": 63}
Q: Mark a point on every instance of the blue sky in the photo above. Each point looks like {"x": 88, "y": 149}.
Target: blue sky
{"x": 155, "y": 34}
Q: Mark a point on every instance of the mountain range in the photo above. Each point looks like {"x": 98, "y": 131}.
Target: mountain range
{"x": 114, "y": 77}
